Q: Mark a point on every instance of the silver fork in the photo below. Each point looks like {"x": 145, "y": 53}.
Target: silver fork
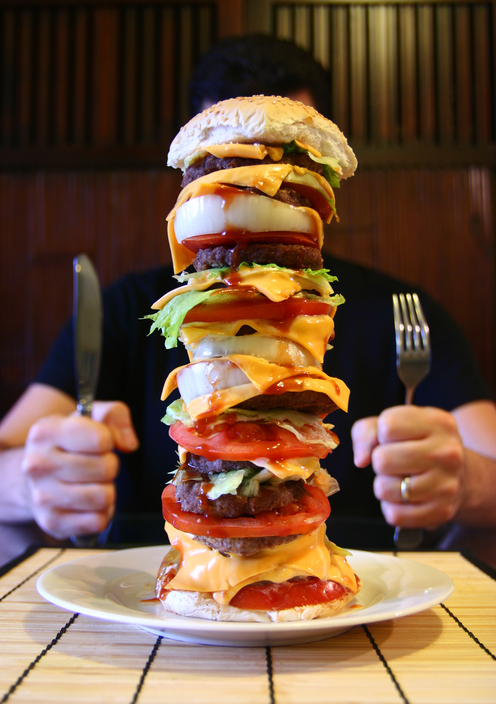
{"x": 413, "y": 357}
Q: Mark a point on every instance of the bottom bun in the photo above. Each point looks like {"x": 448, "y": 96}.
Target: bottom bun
{"x": 202, "y": 605}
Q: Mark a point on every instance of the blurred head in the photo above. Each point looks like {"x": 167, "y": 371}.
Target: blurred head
{"x": 259, "y": 64}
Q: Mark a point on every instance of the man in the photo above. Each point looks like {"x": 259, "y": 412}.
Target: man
{"x": 69, "y": 473}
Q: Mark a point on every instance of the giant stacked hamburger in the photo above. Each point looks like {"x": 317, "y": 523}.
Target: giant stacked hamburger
{"x": 245, "y": 513}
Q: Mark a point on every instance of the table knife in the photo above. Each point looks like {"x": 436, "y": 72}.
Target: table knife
{"x": 87, "y": 333}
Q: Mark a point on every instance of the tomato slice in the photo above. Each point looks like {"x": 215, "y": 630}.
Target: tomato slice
{"x": 301, "y": 591}
{"x": 245, "y": 441}
{"x": 253, "y": 308}
{"x": 243, "y": 239}
{"x": 301, "y": 517}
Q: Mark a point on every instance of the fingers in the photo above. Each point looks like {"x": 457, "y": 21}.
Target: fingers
{"x": 432, "y": 499}
{"x": 117, "y": 417}
{"x": 422, "y": 444}
{"x": 364, "y": 438}
{"x": 70, "y": 467}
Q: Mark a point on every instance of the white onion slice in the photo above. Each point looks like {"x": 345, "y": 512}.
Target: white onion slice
{"x": 273, "y": 349}
{"x": 211, "y": 214}
{"x": 206, "y": 377}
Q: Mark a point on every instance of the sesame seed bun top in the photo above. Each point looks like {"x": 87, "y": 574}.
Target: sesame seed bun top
{"x": 270, "y": 120}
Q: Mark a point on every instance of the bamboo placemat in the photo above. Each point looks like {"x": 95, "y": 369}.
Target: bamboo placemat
{"x": 446, "y": 654}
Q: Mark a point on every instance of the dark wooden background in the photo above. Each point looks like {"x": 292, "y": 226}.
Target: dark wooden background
{"x": 92, "y": 92}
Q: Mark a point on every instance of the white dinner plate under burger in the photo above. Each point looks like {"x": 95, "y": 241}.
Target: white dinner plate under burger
{"x": 119, "y": 586}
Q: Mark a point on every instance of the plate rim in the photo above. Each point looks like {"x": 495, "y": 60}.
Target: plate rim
{"x": 173, "y": 624}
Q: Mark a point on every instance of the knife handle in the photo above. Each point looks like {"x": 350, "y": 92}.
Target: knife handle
{"x": 92, "y": 540}
{"x": 84, "y": 407}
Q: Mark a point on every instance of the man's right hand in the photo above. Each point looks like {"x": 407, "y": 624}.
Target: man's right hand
{"x": 70, "y": 467}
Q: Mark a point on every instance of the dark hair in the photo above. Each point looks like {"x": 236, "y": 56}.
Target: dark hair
{"x": 257, "y": 64}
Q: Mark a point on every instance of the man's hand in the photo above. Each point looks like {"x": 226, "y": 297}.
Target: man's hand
{"x": 423, "y": 444}
{"x": 70, "y": 466}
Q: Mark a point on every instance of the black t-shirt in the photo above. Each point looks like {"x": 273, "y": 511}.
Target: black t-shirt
{"x": 135, "y": 366}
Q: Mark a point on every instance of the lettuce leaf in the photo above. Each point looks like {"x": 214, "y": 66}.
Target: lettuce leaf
{"x": 170, "y": 318}
{"x": 331, "y": 167}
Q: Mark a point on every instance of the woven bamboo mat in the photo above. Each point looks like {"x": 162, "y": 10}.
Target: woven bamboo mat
{"x": 446, "y": 654}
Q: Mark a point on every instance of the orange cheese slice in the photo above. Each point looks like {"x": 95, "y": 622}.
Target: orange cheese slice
{"x": 264, "y": 377}
{"x": 205, "y": 570}
{"x": 312, "y": 332}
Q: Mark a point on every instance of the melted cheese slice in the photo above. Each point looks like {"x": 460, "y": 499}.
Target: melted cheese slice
{"x": 302, "y": 467}
{"x": 266, "y": 178}
{"x": 206, "y": 570}
{"x": 310, "y": 331}
{"x": 274, "y": 283}
{"x": 245, "y": 151}
{"x": 264, "y": 377}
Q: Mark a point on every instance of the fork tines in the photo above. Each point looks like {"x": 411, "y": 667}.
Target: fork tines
{"x": 412, "y": 331}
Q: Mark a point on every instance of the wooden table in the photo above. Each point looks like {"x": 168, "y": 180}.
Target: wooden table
{"x": 445, "y": 654}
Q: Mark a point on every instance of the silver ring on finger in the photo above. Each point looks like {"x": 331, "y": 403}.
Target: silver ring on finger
{"x": 405, "y": 489}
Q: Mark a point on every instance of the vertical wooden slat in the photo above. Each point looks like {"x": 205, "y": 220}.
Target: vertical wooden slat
{"x": 408, "y": 75}
{"x": 445, "y": 74}
{"x": 105, "y": 76}
{"x": 359, "y": 121}
{"x": 427, "y": 92}
{"x": 80, "y": 76}
{"x": 463, "y": 74}
{"x": 303, "y": 27}
{"x": 61, "y": 77}
{"x": 322, "y": 39}
{"x": 185, "y": 50}
{"x": 148, "y": 96}
{"x": 484, "y": 81}
{"x": 25, "y": 79}
{"x": 341, "y": 80}
{"x": 167, "y": 71}
{"x": 44, "y": 107}
{"x": 7, "y": 48}
{"x": 393, "y": 74}
{"x": 379, "y": 76}
{"x": 129, "y": 78}
{"x": 283, "y": 22}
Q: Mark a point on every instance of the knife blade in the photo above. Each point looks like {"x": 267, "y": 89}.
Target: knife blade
{"x": 87, "y": 333}
{"x": 88, "y": 320}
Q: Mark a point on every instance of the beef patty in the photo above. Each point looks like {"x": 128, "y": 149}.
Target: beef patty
{"x": 244, "y": 546}
{"x": 212, "y": 163}
{"x": 292, "y": 256}
{"x": 193, "y": 499}
{"x": 305, "y": 401}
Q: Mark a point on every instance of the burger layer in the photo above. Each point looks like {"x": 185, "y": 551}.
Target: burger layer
{"x": 293, "y": 256}
{"x": 244, "y": 547}
{"x": 211, "y": 163}
{"x": 210, "y": 388}
{"x": 199, "y": 568}
{"x": 193, "y": 496}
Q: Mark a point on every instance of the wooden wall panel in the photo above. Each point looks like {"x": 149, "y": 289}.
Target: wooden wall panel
{"x": 414, "y": 80}
{"x": 92, "y": 91}
{"x": 116, "y": 217}
{"x": 435, "y": 229}
{"x": 431, "y": 227}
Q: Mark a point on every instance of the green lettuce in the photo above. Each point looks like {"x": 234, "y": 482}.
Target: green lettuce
{"x": 331, "y": 167}
{"x": 170, "y": 318}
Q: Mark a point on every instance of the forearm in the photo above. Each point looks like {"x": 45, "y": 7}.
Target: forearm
{"x": 14, "y": 502}
{"x": 478, "y": 508}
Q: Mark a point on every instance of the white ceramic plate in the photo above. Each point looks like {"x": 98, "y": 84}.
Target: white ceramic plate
{"x": 115, "y": 586}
